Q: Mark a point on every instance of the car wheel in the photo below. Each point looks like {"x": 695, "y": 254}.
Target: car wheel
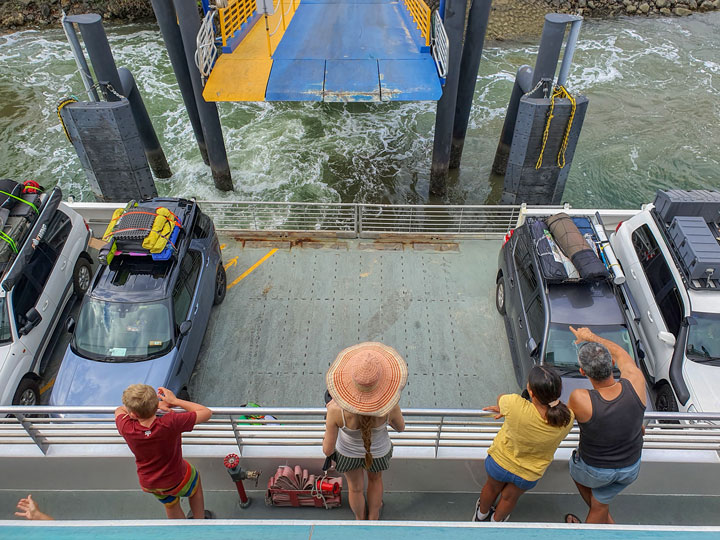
{"x": 82, "y": 274}
{"x": 220, "y": 285}
{"x": 27, "y": 393}
{"x": 665, "y": 399}
{"x": 500, "y": 296}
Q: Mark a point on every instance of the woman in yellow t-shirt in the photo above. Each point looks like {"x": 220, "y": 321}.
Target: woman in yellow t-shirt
{"x": 525, "y": 445}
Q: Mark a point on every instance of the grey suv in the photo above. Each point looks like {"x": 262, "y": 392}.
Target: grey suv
{"x": 538, "y": 312}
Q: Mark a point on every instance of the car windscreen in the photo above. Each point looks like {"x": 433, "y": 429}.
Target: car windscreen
{"x": 561, "y": 351}
{"x": 123, "y": 332}
{"x": 703, "y": 342}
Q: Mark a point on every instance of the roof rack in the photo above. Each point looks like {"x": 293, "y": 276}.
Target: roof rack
{"x": 152, "y": 227}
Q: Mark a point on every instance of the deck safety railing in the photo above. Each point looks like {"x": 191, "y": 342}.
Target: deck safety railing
{"x": 359, "y": 220}
{"x": 364, "y": 220}
{"x": 425, "y": 428}
{"x": 232, "y": 17}
{"x": 421, "y": 15}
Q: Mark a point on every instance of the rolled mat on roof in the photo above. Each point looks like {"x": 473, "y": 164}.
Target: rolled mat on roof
{"x": 573, "y": 244}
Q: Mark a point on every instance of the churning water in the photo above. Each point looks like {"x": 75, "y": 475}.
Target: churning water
{"x": 653, "y": 122}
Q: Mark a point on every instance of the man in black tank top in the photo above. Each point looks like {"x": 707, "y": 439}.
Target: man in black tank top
{"x": 610, "y": 417}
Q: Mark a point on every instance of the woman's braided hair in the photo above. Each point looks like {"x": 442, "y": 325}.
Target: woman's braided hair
{"x": 366, "y": 432}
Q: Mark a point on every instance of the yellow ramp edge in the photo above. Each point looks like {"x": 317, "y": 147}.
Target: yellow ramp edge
{"x": 243, "y": 74}
{"x": 238, "y": 79}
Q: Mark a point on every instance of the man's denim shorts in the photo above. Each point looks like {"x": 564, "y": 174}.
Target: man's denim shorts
{"x": 501, "y": 475}
{"x": 605, "y": 483}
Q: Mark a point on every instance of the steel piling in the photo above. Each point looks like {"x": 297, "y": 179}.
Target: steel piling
{"x": 189, "y": 22}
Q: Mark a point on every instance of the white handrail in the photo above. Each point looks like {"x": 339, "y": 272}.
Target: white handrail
{"x": 440, "y": 45}
{"x": 292, "y": 426}
{"x": 206, "y": 51}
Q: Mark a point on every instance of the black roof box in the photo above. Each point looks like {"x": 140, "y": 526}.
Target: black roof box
{"x": 688, "y": 203}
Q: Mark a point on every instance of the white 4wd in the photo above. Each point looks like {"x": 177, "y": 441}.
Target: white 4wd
{"x": 51, "y": 264}
{"x": 678, "y": 319}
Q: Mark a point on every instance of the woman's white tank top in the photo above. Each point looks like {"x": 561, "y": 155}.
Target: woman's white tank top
{"x": 350, "y": 444}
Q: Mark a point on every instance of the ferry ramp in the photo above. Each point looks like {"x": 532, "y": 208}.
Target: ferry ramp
{"x": 324, "y": 50}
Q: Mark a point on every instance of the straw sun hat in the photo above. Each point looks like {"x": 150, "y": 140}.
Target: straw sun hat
{"x": 367, "y": 378}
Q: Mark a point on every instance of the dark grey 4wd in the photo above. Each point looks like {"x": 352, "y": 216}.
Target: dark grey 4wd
{"x": 538, "y": 313}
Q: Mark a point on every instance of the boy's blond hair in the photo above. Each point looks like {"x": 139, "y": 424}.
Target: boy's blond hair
{"x": 140, "y": 399}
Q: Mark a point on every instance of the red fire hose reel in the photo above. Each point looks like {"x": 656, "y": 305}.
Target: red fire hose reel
{"x": 232, "y": 464}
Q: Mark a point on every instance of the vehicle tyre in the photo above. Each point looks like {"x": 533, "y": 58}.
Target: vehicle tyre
{"x": 220, "y": 285}
{"x": 665, "y": 401}
{"x": 500, "y": 295}
{"x": 82, "y": 274}
{"x": 27, "y": 393}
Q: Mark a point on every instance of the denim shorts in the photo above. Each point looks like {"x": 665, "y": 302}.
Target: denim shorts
{"x": 496, "y": 472}
{"x": 605, "y": 483}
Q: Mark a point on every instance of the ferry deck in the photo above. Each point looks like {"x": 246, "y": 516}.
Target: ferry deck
{"x": 305, "y": 281}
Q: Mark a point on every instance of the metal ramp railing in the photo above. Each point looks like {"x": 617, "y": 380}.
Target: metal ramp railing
{"x": 440, "y": 45}
{"x": 206, "y": 52}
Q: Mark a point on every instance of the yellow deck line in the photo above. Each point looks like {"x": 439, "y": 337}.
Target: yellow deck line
{"x": 48, "y": 386}
{"x": 253, "y": 267}
{"x": 243, "y": 74}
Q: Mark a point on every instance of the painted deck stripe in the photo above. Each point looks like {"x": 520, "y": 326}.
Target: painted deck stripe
{"x": 252, "y": 268}
{"x": 48, "y": 386}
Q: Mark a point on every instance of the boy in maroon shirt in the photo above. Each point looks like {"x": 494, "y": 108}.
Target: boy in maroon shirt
{"x": 156, "y": 442}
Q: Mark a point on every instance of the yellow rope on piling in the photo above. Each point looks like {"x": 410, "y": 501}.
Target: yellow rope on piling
{"x": 559, "y": 92}
{"x": 65, "y": 101}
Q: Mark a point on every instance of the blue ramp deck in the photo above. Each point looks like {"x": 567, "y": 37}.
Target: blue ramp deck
{"x": 352, "y": 50}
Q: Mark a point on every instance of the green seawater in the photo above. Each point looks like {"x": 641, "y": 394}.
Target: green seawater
{"x": 653, "y": 122}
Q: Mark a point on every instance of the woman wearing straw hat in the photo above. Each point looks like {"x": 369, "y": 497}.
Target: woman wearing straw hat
{"x": 365, "y": 382}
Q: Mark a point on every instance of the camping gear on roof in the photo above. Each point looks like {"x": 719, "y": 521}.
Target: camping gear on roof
{"x": 367, "y": 378}
{"x": 19, "y": 207}
{"x": 293, "y": 486}
{"x": 571, "y": 241}
{"x": 139, "y": 230}
{"x": 25, "y": 249}
{"x": 551, "y": 258}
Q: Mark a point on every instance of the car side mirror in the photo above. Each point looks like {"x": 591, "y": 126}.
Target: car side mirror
{"x": 185, "y": 327}
{"x": 32, "y": 319}
{"x": 666, "y": 337}
{"x": 532, "y": 347}
{"x": 70, "y": 325}
{"x": 690, "y": 320}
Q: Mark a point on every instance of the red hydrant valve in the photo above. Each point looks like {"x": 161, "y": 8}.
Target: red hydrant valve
{"x": 232, "y": 464}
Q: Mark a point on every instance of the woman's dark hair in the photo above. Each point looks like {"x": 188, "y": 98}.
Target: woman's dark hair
{"x": 546, "y": 386}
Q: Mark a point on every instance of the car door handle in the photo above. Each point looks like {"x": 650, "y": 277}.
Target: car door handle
{"x": 512, "y": 282}
{"x": 633, "y": 274}
{"x": 650, "y": 317}
{"x": 63, "y": 265}
{"x": 197, "y": 306}
{"x": 45, "y": 305}
{"x": 520, "y": 322}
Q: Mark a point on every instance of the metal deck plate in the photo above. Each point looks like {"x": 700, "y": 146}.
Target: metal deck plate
{"x": 279, "y": 329}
